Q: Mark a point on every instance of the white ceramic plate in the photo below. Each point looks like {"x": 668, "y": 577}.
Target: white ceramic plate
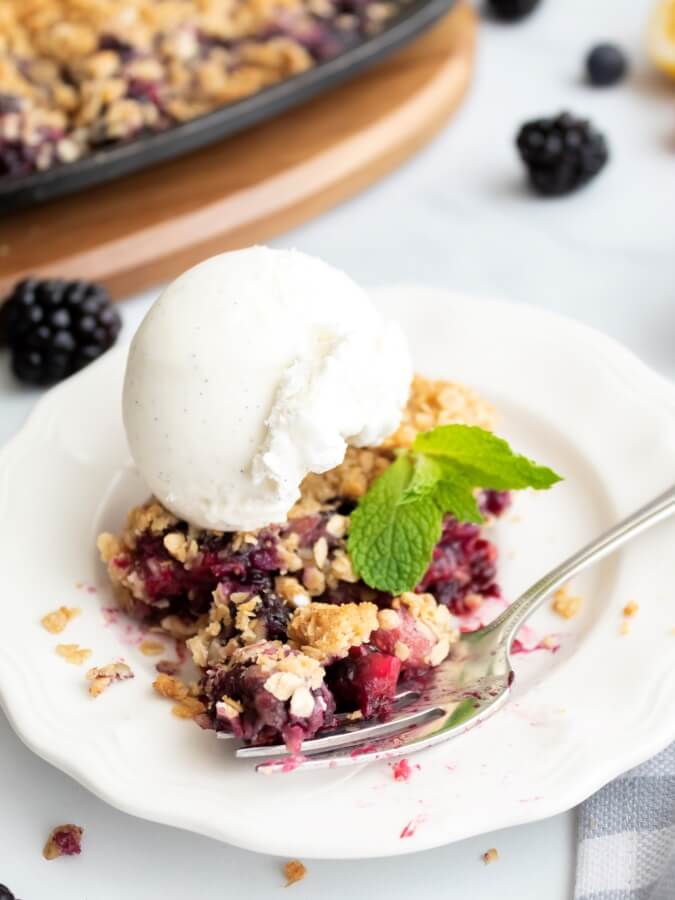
{"x": 568, "y": 397}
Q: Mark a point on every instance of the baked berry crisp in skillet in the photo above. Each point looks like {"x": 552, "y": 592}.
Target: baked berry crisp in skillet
{"x": 80, "y": 75}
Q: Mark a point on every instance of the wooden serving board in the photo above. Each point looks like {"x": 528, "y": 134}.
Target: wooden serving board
{"x": 148, "y": 227}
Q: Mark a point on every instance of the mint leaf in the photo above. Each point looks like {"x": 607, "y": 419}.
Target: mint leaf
{"x": 396, "y": 526}
{"x": 455, "y": 495}
{"x": 426, "y": 474}
{"x": 484, "y": 459}
{"x": 391, "y": 540}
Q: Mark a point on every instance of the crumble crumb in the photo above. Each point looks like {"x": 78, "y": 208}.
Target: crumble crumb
{"x": 294, "y": 871}
{"x": 180, "y": 629}
{"x": 55, "y": 622}
{"x": 188, "y": 708}
{"x": 291, "y": 591}
{"x": 490, "y": 856}
{"x": 73, "y": 653}
{"x": 101, "y": 677}
{"x": 630, "y": 609}
{"x": 565, "y": 604}
{"x": 180, "y": 547}
{"x": 152, "y": 648}
{"x": 170, "y": 687}
{"x": 327, "y": 631}
{"x": 64, "y": 840}
{"x": 624, "y": 628}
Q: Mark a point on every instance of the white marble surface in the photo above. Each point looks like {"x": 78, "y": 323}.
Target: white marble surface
{"x": 456, "y": 215}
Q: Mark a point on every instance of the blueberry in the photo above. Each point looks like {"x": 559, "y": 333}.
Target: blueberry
{"x": 511, "y": 10}
{"x": 606, "y": 64}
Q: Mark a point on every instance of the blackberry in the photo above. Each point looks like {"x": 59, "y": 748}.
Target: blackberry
{"x": 606, "y": 64}
{"x": 5, "y": 893}
{"x": 56, "y": 327}
{"x": 561, "y": 153}
{"x": 511, "y": 10}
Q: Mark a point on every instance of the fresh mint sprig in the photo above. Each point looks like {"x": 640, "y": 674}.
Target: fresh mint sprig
{"x": 397, "y": 524}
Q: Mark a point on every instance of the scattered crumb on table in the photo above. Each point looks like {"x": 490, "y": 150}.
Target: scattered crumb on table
{"x": 54, "y": 622}
{"x": 490, "y": 856}
{"x": 566, "y": 604}
{"x": 73, "y": 653}
{"x": 64, "y": 840}
{"x": 294, "y": 871}
{"x": 624, "y": 628}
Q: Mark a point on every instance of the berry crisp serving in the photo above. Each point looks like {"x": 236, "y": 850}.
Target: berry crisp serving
{"x": 282, "y": 629}
{"x": 317, "y": 532}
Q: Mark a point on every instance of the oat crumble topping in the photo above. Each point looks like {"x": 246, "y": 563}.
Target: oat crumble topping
{"x": 427, "y": 611}
{"x": 55, "y": 622}
{"x": 490, "y": 856}
{"x": 434, "y": 403}
{"x": 81, "y": 74}
{"x": 327, "y": 632}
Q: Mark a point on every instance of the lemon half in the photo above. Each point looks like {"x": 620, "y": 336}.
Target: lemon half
{"x": 661, "y": 38}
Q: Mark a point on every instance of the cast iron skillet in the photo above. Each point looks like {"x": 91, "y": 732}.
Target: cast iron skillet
{"x": 112, "y": 162}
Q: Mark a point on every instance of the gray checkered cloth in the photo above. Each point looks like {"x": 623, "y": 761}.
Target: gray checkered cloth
{"x": 627, "y": 836}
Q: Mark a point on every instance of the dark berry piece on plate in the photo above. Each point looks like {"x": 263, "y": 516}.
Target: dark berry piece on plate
{"x": 55, "y": 327}
{"x": 606, "y": 64}
{"x": 5, "y": 893}
{"x": 511, "y": 10}
{"x": 562, "y": 153}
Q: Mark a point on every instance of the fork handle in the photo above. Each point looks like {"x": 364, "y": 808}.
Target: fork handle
{"x": 508, "y": 623}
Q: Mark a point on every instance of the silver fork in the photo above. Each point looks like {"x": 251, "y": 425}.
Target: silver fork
{"x": 462, "y": 691}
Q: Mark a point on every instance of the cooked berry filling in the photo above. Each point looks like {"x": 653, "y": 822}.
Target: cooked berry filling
{"x": 263, "y": 698}
{"x": 365, "y": 681}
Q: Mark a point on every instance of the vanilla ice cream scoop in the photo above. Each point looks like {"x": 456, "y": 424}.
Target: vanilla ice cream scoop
{"x": 251, "y": 370}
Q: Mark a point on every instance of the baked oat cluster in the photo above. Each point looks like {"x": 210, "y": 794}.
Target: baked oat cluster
{"x": 78, "y": 75}
{"x": 281, "y": 627}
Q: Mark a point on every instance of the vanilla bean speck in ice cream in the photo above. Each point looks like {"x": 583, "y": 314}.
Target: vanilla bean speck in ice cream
{"x": 251, "y": 370}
